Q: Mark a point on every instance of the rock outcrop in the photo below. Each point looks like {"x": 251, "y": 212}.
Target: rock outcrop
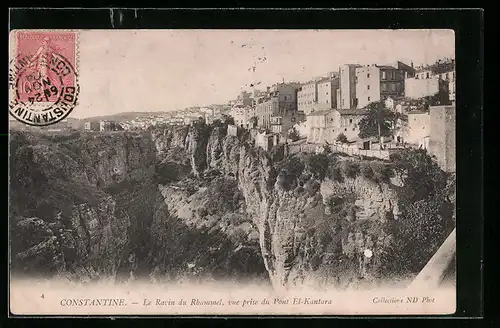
{"x": 288, "y": 221}
{"x": 102, "y": 205}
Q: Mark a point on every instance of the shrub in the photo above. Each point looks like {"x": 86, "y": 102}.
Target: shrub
{"x": 293, "y": 134}
{"x": 293, "y": 166}
{"x": 382, "y": 172}
{"x": 342, "y": 138}
{"x": 318, "y": 165}
{"x": 311, "y": 187}
{"x": 422, "y": 176}
{"x": 366, "y": 170}
{"x": 167, "y": 172}
{"x": 350, "y": 169}
{"x": 335, "y": 173}
{"x": 277, "y": 153}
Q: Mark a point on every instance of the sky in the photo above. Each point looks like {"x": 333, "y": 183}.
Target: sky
{"x": 162, "y": 70}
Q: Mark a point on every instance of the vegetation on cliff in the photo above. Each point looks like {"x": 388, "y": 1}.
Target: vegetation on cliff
{"x": 227, "y": 209}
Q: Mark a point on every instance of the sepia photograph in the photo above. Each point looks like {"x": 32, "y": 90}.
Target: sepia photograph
{"x": 232, "y": 172}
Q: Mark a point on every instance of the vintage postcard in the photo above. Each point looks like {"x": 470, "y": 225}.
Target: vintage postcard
{"x": 232, "y": 172}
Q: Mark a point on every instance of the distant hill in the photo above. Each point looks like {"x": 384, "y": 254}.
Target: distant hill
{"x": 121, "y": 116}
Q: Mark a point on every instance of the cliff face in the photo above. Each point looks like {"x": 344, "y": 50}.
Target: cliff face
{"x": 123, "y": 204}
{"x": 301, "y": 240}
{"x": 61, "y": 222}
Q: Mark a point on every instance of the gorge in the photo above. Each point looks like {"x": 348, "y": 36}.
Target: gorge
{"x": 193, "y": 203}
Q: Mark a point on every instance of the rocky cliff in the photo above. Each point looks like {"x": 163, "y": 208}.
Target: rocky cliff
{"x": 195, "y": 202}
{"x": 324, "y": 219}
{"x": 62, "y": 220}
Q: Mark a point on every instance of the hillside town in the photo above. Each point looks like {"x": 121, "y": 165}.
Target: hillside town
{"x": 326, "y": 111}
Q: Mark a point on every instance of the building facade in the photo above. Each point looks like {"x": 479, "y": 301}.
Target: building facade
{"x": 442, "y": 70}
{"x": 327, "y": 125}
{"x": 241, "y": 115}
{"x": 244, "y": 99}
{"x": 416, "y": 131}
{"x": 327, "y": 93}
{"x": 368, "y": 85}
{"x": 281, "y": 124}
{"x": 442, "y": 136}
{"x": 361, "y": 85}
{"x": 419, "y": 88}
{"x": 320, "y": 94}
{"x": 92, "y": 126}
{"x": 281, "y": 100}
{"x": 307, "y": 97}
{"x": 346, "y": 94}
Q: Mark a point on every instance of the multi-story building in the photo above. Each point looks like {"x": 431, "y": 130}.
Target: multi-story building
{"x": 346, "y": 93}
{"x": 442, "y": 136}
{"x": 281, "y": 124}
{"x": 361, "y": 85}
{"x": 327, "y": 125}
{"x": 244, "y": 99}
{"x": 419, "y": 88}
{"x": 319, "y": 94}
{"x": 307, "y": 97}
{"x": 241, "y": 115}
{"x": 280, "y": 100}
{"x": 92, "y": 126}
{"x": 327, "y": 93}
{"x": 442, "y": 71}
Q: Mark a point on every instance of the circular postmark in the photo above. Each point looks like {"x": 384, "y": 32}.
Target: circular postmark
{"x": 43, "y": 88}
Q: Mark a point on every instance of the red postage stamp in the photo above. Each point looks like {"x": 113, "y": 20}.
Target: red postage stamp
{"x": 43, "y": 79}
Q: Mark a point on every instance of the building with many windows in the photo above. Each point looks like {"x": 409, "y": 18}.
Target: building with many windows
{"x": 319, "y": 94}
{"x": 280, "y": 100}
{"x": 441, "y": 75}
{"x": 361, "y": 85}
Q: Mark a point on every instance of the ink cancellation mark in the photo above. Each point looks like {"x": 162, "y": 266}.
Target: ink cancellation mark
{"x": 43, "y": 81}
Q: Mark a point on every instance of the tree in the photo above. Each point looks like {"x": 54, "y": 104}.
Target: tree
{"x": 228, "y": 119}
{"x": 293, "y": 134}
{"x": 379, "y": 122}
{"x": 253, "y": 122}
{"x": 342, "y": 138}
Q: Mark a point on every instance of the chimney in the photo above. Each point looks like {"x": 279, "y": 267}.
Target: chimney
{"x": 411, "y": 64}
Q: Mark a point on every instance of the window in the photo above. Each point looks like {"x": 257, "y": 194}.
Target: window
{"x": 356, "y": 79}
{"x": 384, "y": 75}
{"x": 353, "y": 129}
{"x": 427, "y": 76}
{"x": 368, "y": 87}
{"x": 333, "y": 130}
{"x": 368, "y": 75}
{"x": 368, "y": 98}
{"x": 350, "y": 121}
{"x": 345, "y": 130}
{"x": 327, "y": 101}
{"x": 447, "y": 77}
